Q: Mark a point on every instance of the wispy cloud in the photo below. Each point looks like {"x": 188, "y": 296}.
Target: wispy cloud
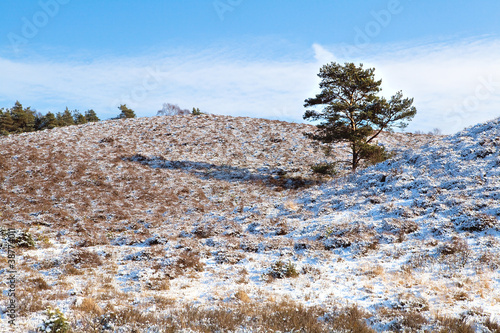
{"x": 454, "y": 84}
{"x": 224, "y": 84}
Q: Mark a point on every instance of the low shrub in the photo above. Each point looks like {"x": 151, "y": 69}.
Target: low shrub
{"x": 280, "y": 270}
{"x": 186, "y": 260}
{"x": 374, "y": 154}
{"x": 39, "y": 283}
{"x": 17, "y": 238}
{"x": 87, "y": 258}
{"x": 456, "y": 245}
{"x": 329, "y": 169}
{"x": 490, "y": 259}
{"x": 55, "y": 322}
{"x": 456, "y": 253}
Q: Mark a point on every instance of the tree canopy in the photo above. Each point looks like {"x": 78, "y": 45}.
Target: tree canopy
{"x": 65, "y": 118}
{"x": 169, "y": 109}
{"x": 352, "y": 112}
{"x": 91, "y": 116}
{"x": 125, "y": 112}
{"x": 19, "y": 119}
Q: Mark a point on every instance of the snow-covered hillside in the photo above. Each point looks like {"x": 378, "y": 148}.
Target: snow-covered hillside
{"x": 135, "y": 219}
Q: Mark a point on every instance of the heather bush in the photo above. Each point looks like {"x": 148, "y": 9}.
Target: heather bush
{"x": 329, "y": 169}
{"x": 455, "y": 253}
{"x": 280, "y": 270}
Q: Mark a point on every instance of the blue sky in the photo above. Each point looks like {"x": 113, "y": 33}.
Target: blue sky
{"x": 249, "y": 57}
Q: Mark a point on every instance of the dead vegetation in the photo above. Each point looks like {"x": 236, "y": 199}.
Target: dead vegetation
{"x": 284, "y": 316}
{"x": 141, "y": 210}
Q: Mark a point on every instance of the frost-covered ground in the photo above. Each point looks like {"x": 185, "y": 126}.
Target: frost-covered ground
{"x": 148, "y": 215}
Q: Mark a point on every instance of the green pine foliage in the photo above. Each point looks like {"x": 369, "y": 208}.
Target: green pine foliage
{"x": 23, "y": 118}
{"x": 125, "y": 112}
{"x": 79, "y": 118}
{"x": 91, "y": 116}
{"x": 18, "y": 237}
{"x": 329, "y": 169}
{"x": 65, "y": 118}
{"x": 353, "y": 113}
{"x": 280, "y": 270}
{"x": 19, "y": 119}
{"x": 49, "y": 121}
{"x": 55, "y": 322}
{"x": 6, "y": 123}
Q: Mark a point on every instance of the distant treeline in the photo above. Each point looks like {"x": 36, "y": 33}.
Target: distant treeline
{"x": 19, "y": 119}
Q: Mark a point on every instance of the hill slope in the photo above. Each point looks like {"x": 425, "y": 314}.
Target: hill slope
{"x": 216, "y": 211}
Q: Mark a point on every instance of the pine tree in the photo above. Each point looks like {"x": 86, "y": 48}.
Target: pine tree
{"x": 91, "y": 116}
{"x": 6, "y": 123}
{"x": 24, "y": 118}
{"x": 79, "y": 118}
{"x": 38, "y": 121}
{"x": 49, "y": 121}
{"x": 18, "y": 117}
{"x": 125, "y": 112}
{"x": 66, "y": 118}
{"x": 353, "y": 112}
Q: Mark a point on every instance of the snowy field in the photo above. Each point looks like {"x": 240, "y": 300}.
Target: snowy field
{"x": 162, "y": 224}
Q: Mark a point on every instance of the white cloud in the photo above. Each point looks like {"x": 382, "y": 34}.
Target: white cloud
{"x": 322, "y": 55}
{"x": 454, "y": 84}
{"x": 446, "y": 79}
{"x": 217, "y": 84}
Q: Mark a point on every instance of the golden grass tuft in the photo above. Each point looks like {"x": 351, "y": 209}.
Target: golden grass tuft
{"x": 88, "y": 305}
{"x": 242, "y": 296}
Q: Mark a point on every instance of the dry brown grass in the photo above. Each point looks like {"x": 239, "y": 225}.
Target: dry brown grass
{"x": 493, "y": 326}
{"x": 491, "y": 260}
{"x": 88, "y": 305}
{"x": 30, "y": 300}
{"x": 39, "y": 283}
{"x": 272, "y": 317}
{"x": 160, "y": 284}
{"x": 82, "y": 183}
{"x": 412, "y": 321}
{"x": 242, "y": 296}
{"x": 188, "y": 260}
{"x": 372, "y": 271}
{"x": 350, "y": 319}
{"x": 281, "y": 316}
{"x": 85, "y": 258}
{"x": 454, "y": 325}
